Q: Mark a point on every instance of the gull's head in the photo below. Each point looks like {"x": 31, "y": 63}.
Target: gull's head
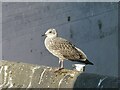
{"x": 51, "y": 33}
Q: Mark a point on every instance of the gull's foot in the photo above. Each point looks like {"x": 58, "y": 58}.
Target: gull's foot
{"x": 59, "y": 69}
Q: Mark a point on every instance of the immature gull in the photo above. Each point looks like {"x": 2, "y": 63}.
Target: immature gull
{"x": 63, "y": 49}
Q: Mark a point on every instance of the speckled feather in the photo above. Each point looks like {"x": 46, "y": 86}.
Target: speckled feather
{"x": 64, "y": 49}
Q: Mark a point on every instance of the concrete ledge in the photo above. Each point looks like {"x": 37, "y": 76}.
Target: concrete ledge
{"x": 22, "y": 75}
{"x": 87, "y": 80}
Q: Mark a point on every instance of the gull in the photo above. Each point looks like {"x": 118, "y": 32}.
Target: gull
{"x": 63, "y": 49}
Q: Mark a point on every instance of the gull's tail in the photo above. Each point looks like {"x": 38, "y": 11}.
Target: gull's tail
{"x": 84, "y": 62}
{"x": 88, "y": 62}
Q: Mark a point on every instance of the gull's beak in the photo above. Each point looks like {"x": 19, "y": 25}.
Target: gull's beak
{"x": 43, "y": 35}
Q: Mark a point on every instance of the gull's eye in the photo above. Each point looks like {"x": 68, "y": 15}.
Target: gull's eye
{"x": 50, "y": 32}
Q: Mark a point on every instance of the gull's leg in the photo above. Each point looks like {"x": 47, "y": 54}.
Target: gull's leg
{"x": 61, "y": 64}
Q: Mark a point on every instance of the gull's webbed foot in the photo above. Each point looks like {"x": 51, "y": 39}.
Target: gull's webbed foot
{"x": 58, "y": 69}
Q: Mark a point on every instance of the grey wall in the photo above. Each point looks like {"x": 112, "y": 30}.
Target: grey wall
{"x": 0, "y": 30}
{"x": 93, "y": 28}
{"x": 59, "y": 0}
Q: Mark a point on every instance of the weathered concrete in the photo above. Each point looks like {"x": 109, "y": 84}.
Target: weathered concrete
{"x": 22, "y": 75}
{"x": 87, "y": 80}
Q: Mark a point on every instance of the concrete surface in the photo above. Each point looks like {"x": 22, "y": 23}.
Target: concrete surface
{"x": 90, "y": 80}
{"x": 23, "y": 75}
{"x": 93, "y": 27}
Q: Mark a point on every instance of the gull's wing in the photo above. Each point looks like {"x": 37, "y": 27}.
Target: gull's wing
{"x": 68, "y": 50}
{"x": 84, "y": 55}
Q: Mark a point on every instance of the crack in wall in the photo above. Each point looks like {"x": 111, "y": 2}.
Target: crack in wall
{"x": 100, "y": 82}
{"x": 42, "y": 76}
